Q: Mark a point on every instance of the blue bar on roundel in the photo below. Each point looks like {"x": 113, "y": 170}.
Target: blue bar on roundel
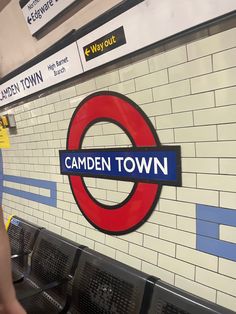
{"x": 136, "y": 164}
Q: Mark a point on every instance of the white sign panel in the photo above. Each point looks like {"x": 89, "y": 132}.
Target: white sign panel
{"x": 38, "y": 13}
{"x": 147, "y": 23}
{"x": 55, "y": 69}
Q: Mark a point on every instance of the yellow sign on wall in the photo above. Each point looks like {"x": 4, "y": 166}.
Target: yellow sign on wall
{"x": 4, "y": 138}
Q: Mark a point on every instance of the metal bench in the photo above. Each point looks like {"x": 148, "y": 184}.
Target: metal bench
{"x": 104, "y": 285}
{"x": 65, "y": 277}
{"x": 167, "y": 299}
{"x": 53, "y": 264}
{"x": 22, "y": 236}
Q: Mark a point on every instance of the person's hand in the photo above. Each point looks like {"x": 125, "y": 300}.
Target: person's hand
{"x": 13, "y": 307}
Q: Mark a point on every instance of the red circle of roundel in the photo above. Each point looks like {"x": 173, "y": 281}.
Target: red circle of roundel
{"x": 118, "y": 109}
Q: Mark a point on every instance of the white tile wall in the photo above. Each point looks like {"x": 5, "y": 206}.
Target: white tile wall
{"x": 226, "y": 300}
{"x": 215, "y": 116}
{"x": 176, "y": 266}
{"x": 168, "y": 59}
{"x": 199, "y": 196}
{"x": 227, "y": 200}
{"x": 201, "y": 259}
{"x": 151, "y": 80}
{"x": 211, "y": 45}
{"x": 189, "y": 94}
{"x": 159, "y": 272}
{"x": 159, "y": 245}
{"x": 216, "y": 281}
{"x": 224, "y": 59}
{"x": 134, "y": 70}
{"x": 228, "y": 233}
{"x": 172, "y": 90}
{"x": 216, "y": 80}
{"x": 193, "y": 102}
{"x": 196, "y": 288}
{"x": 225, "y": 96}
{"x": 190, "y": 69}
{"x": 178, "y": 236}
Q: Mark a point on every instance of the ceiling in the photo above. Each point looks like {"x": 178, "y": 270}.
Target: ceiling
{"x": 3, "y": 3}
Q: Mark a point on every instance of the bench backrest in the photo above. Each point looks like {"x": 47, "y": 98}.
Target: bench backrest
{"x": 167, "y": 299}
{"x": 22, "y": 235}
{"x": 54, "y": 258}
{"x": 53, "y": 264}
{"x": 104, "y": 285}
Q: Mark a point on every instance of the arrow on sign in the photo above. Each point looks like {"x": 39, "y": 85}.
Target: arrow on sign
{"x": 87, "y": 52}
{"x": 29, "y": 20}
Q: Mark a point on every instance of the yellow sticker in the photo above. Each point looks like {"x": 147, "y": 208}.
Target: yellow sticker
{"x": 8, "y": 222}
{"x": 4, "y": 138}
{"x": 4, "y": 121}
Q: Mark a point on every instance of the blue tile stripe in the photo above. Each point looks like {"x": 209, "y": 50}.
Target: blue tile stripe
{"x": 208, "y": 229}
{"x": 209, "y": 219}
{"x": 34, "y": 182}
{"x": 46, "y": 200}
{"x": 217, "y": 214}
{"x": 217, "y": 247}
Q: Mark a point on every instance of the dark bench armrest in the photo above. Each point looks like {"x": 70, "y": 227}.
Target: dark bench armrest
{"x": 14, "y": 256}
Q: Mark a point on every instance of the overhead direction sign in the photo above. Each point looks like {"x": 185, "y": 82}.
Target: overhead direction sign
{"x": 105, "y": 44}
{"x": 148, "y": 164}
{"x": 128, "y": 32}
{"x": 149, "y": 22}
{"x": 38, "y": 13}
{"x": 57, "y": 68}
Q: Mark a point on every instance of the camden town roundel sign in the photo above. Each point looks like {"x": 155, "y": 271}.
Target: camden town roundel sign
{"x": 148, "y": 164}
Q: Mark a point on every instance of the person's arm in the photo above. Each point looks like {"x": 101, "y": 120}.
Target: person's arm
{"x": 8, "y": 301}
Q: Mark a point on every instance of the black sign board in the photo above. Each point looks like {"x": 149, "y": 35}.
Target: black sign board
{"x": 104, "y": 44}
